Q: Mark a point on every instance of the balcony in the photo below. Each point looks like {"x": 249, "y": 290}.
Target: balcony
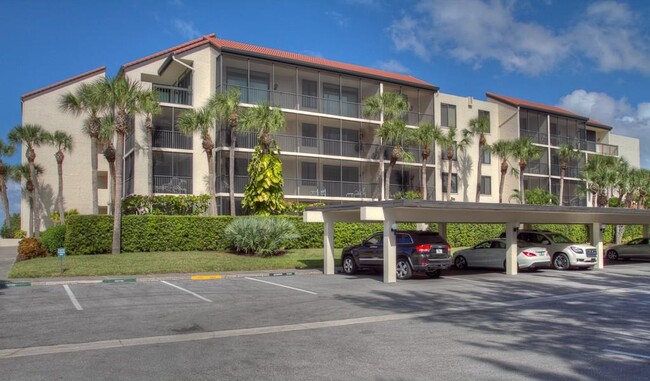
{"x": 172, "y": 184}
{"x": 171, "y": 139}
{"x": 129, "y": 142}
{"x": 303, "y": 144}
{"x": 171, "y": 94}
{"x": 309, "y": 188}
{"x": 535, "y": 137}
{"x": 315, "y": 104}
{"x": 571, "y": 171}
{"x": 536, "y": 169}
{"x": 606, "y": 149}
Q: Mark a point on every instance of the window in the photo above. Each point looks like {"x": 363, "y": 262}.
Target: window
{"x": 487, "y": 157}
{"x": 309, "y": 93}
{"x": 308, "y": 173}
{"x": 485, "y": 114}
{"x": 102, "y": 180}
{"x": 166, "y": 134}
{"x": 448, "y": 115}
{"x": 454, "y": 183}
{"x": 309, "y": 135}
{"x": 128, "y": 174}
{"x": 172, "y": 172}
{"x": 255, "y": 92}
{"x": 443, "y": 154}
{"x": 486, "y": 185}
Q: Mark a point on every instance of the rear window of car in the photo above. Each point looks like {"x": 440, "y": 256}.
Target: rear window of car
{"x": 429, "y": 237}
{"x": 404, "y": 239}
{"x": 559, "y": 238}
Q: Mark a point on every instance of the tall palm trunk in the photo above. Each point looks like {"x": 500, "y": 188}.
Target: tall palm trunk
{"x": 36, "y": 229}
{"x": 382, "y": 190}
{"x": 425, "y": 156}
{"x": 121, "y": 127}
{"x": 29, "y": 186}
{"x": 93, "y": 169}
{"x": 109, "y": 155}
{"x": 231, "y": 164}
{"x": 479, "y": 166}
{"x": 562, "y": 174}
{"x": 149, "y": 127}
{"x": 522, "y": 194}
{"x": 504, "y": 171}
{"x": 5, "y": 197}
{"x": 450, "y": 156}
{"x": 59, "y": 198}
{"x": 208, "y": 147}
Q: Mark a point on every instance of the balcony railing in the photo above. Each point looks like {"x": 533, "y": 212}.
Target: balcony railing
{"x": 536, "y": 137}
{"x": 309, "y": 188}
{"x": 315, "y": 104}
{"x": 606, "y": 149}
{"x": 571, "y": 171}
{"x": 309, "y": 145}
{"x": 171, "y": 94}
{"x": 171, "y": 139}
{"x": 537, "y": 169}
{"x": 172, "y": 184}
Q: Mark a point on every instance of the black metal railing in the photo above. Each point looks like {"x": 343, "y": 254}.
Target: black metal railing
{"x": 172, "y": 184}
{"x": 571, "y": 171}
{"x": 535, "y": 137}
{"x": 606, "y": 149}
{"x": 309, "y": 187}
{"x": 171, "y": 139}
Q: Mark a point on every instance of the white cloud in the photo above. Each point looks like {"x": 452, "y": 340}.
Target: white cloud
{"x": 477, "y": 31}
{"x": 627, "y": 120}
{"x": 392, "y": 65}
{"x": 338, "y": 18}
{"x": 186, "y": 29}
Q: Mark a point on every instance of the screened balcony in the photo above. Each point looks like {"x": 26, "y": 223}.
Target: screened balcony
{"x": 309, "y": 188}
{"x": 171, "y": 94}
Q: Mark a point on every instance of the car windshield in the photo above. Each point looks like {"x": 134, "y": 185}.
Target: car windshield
{"x": 559, "y": 238}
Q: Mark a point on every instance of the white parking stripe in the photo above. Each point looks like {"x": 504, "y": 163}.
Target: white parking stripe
{"x": 72, "y": 297}
{"x": 636, "y": 355}
{"x": 281, "y": 285}
{"x": 188, "y": 291}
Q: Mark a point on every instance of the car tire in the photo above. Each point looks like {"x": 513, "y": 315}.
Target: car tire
{"x": 532, "y": 269}
{"x": 612, "y": 255}
{"x": 434, "y": 274}
{"x": 561, "y": 262}
{"x": 460, "y": 262}
{"x": 404, "y": 269}
{"x": 349, "y": 265}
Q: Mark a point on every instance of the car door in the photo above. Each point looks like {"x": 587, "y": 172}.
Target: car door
{"x": 371, "y": 252}
{"x": 631, "y": 249}
{"x": 644, "y": 249}
{"x": 477, "y": 257}
{"x": 495, "y": 255}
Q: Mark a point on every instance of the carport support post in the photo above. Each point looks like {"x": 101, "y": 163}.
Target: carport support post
{"x": 442, "y": 229}
{"x": 512, "y": 228}
{"x": 328, "y": 245}
{"x": 646, "y": 230}
{"x": 390, "y": 252}
{"x": 597, "y": 241}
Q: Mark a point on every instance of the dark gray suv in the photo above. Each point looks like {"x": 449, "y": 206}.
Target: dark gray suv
{"x": 417, "y": 251}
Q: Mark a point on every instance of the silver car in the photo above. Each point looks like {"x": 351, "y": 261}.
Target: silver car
{"x": 492, "y": 254}
{"x": 637, "y": 248}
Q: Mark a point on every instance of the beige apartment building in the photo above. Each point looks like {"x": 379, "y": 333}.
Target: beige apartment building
{"x": 329, "y": 150}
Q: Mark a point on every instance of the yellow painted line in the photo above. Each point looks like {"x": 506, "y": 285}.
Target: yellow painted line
{"x": 205, "y": 277}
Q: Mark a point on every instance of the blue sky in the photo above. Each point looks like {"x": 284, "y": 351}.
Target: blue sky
{"x": 592, "y": 57}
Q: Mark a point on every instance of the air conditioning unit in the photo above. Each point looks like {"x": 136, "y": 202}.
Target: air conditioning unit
{"x": 470, "y": 102}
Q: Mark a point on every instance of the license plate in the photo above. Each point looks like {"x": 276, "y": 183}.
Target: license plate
{"x": 438, "y": 251}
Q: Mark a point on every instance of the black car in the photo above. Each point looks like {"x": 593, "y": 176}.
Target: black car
{"x": 417, "y": 251}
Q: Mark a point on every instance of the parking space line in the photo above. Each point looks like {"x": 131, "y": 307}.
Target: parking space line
{"x": 72, "y": 297}
{"x": 281, "y": 285}
{"x": 188, "y": 291}
{"x": 635, "y": 355}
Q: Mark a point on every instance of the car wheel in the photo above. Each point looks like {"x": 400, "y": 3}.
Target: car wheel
{"x": 349, "y": 266}
{"x": 403, "y": 269}
{"x": 434, "y": 274}
{"x": 460, "y": 263}
{"x": 561, "y": 262}
{"x": 612, "y": 255}
{"x": 532, "y": 269}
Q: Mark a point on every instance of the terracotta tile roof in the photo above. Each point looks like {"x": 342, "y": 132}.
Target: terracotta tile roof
{"x": 534, "y": 106}
{"x": 64, "y": 82}
{"x": 597, "y": 124}
{"x": 246, "y": 49}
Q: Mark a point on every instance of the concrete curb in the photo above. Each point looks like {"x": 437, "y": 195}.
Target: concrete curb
{"x": 163, "y": 277}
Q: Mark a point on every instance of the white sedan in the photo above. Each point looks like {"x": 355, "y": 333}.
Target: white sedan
{"x": 492, "y": 254}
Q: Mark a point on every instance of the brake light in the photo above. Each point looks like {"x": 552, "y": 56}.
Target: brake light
{"x": 448, "y": 248}
{"x": 529, "y": 253}
{"x": 423, "y": 248}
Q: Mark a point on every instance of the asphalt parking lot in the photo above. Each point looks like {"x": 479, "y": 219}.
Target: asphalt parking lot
{"x": 574, "y": 325}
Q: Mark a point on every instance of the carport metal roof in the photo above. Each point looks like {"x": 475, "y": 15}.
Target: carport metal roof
{"x": 512, "y": 215}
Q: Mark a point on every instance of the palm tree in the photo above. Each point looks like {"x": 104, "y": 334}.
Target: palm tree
{"x": 426, "y": 137}
{"x": 201, "y": 121}
{"x": 479, "y": 126}
{"x": 388, "y": 106}
{"x": 63, "y": 142}
{"x": 121, "y": 96}
{"x": 524, "y": 150}
{"x": 565, "y": 152}
{"x": 265, "y": 120}
{"x": 226, "y": 106}
{"x": 105, "y": 138}
{"x": 6, "y": 150}
{"x": 502, "y": 149}
{"x": 23, "y": 172}
{"x": 150, "y": 106}
{"x": 31, "y": 135}
{"x": 449, "y": 145}
{"x": 395, "y": 133}
{"x": 600, "y": 174}
{"x": 87, "y": 100}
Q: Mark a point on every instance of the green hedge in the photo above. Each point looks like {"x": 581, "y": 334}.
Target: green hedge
{"x": 141, "y": 233}
{"x": 53, "y": 238}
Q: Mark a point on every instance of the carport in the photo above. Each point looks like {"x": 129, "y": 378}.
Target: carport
{"x": 442, "y": 213}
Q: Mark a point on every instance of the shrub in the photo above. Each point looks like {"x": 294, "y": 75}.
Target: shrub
{"x": 261, "y": 236}
{"x": 408, "y": 195}
{"x": 89, "y": 234}
{"x": 20, "y": 234}
{"x": 53, "y": 238}
{"x": 29, "y": 248}
{"x": 55, "y": 215}
{"x": 297, "y": 208}
{"x": 166, "y": 204}
{"x": 5, "y": 232}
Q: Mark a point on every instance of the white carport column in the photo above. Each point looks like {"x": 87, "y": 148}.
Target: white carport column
{"x": 328, "y": 245}
{"x": 597, "y": 241}
{"x": 512, "y": 228}
{"x": 390, "y": 252}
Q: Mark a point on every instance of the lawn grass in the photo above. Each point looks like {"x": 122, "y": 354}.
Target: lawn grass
{"x": 165, "y": 263}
